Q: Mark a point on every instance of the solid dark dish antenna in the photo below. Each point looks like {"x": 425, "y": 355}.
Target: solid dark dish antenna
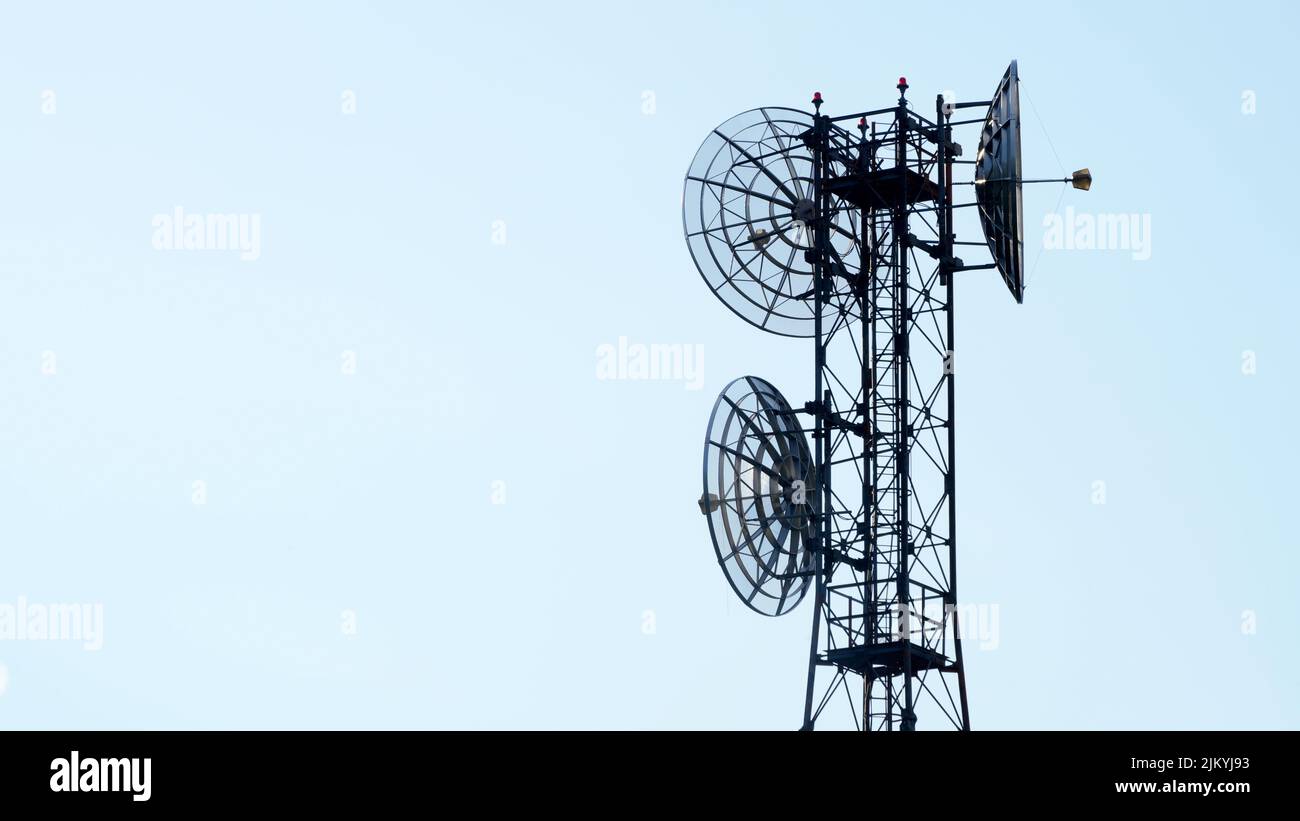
{"x": 999, "y": 182}
{"x": 841, "y": 229}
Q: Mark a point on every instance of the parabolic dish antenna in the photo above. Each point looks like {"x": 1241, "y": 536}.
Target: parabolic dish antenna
{"x": 748, "y": 209}
{"x": 758, "y": 489}
{"x": 998, "y": 188}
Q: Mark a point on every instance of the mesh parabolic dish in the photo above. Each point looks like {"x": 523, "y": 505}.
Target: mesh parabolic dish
{"x": 998, "y": 186}
{"x": 758, "y": 489}
{"x": 746, "y": 207}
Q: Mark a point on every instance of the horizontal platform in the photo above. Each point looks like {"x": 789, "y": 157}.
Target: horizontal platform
{"x": 886, "y": 188}
{"x": 879, "y": 660}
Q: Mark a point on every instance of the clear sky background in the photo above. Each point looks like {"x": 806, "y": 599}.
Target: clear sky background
{"x": 591, "y": 597}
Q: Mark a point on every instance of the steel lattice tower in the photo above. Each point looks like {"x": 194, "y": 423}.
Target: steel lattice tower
{"x": 885, "y": 627}
{"x": 806, "y": 228}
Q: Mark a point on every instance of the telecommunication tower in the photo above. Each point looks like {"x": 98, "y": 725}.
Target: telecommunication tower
{"x": 840, "y": 229}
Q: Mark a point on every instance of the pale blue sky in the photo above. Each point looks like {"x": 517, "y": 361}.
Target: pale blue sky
{"x": 476, "y": 362}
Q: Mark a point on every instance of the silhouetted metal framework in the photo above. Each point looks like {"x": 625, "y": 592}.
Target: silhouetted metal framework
{"x": 805, "y": 226}
{"x": 886, "y": 562}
